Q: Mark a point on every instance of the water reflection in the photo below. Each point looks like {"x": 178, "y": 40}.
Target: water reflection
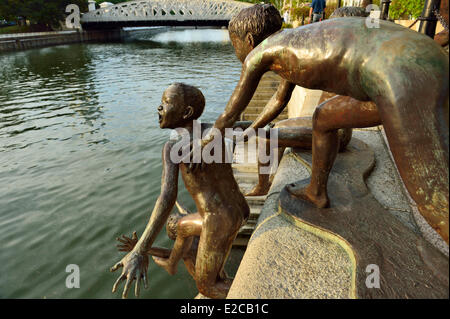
{"x": 192, "y": 36}
{"x": 80, "y": 151}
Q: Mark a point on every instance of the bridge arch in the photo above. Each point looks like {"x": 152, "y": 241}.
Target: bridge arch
{"x": 163, "y": 13}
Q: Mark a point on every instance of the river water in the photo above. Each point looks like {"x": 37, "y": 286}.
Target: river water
{"x": 80, "y": 155}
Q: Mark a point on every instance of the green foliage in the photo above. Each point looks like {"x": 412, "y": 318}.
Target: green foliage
{"x": 329, "y": 10}
{"x": 298, "y": 12}
{"x": 401, "y": 9}
{"x": 377, "y": 2}
{"x": 42, "y": 12}
{"x": 14, "y": 29}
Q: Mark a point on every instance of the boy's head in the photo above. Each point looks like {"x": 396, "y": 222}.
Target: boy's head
{"x": 180, "y": 104}
{"x": 251, "y": 26}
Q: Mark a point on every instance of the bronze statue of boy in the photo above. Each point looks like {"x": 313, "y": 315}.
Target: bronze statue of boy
{"x": 222, "y": 209}
{"x": 401, "y": 75}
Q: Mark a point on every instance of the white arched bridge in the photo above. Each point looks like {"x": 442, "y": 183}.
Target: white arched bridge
{"x": 163, "y": 13}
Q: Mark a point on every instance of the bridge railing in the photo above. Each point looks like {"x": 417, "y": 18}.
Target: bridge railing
{"x": 166, "y": 10}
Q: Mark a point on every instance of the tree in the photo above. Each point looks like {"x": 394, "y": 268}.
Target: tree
{"x": 40, "y": 12}
{"x": 401, "y": 9}
{"x": 9, "y": 9}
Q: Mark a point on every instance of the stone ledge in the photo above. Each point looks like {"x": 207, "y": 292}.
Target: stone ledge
{"x": 271, "y": 267}
{"x": 285, "y": 261}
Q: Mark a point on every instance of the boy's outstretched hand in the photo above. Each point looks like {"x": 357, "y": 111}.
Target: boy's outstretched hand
{"x": 126, "y": 243}
{"x": 135, "y": 266}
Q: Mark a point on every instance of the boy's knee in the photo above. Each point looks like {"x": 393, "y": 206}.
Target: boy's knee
{"x": 183, "y": 228}
{"x": 318, "y": 120}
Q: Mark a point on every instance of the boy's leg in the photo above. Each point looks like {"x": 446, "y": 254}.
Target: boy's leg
{"x": 188, "y": 227}
{"x": 295, "y": 132}
{"x": 191, "y": 255}
{"x": 189, "y": 262}
{"x": 264, "y": 180}
{"x": 331, "y": 115}
{"x": 213, "y": 251}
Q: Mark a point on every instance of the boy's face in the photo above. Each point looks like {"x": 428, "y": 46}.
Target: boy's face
{"x": 241, "y": 47}
{"x": 171, "y": 109}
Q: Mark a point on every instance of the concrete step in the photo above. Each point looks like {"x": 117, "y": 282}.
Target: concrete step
{"x": 246, "y": 187}
{"x": 247, "y": 229}
{"x": 270, "y": 77}
{"x": 241, "y": 241}
{"x": 256, "y": 200}
{"x": 245, "y": 167}
{"x": 247, "y": 158}
{"x": 251, "y": 222}
{"x": 259, "y": 101}
{"x": 266, "y": 88}
{"x": 269, "y": 87}
{"x": 263, "y": 95}
{"x": 252, "y": 117}
{"x": 255, "y": 211}
{"x": 245, "y": 177}
{"x": 255, "y": 111}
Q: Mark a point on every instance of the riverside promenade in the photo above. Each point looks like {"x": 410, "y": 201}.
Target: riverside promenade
{"x": 23, "y": 41}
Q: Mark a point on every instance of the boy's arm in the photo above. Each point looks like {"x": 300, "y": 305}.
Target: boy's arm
{"x": 253, "y": 69}
{"x": 164, "y": 203}
{"x": 276, "y": 104}
{"x": 135, "y": 263}
{"x": 255, "y": 65}
{"x": 242, "y": 124}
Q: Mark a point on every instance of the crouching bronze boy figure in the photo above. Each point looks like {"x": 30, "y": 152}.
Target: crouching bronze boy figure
{"x": 222, "y": 209}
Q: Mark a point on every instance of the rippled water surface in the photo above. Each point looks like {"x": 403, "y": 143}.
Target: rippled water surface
{"x": 80, "y": 155}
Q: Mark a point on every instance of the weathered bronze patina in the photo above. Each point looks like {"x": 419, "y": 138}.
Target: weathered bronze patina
{"x": 404, "y": 73}
{"x": 222, "y": 209}
{"x": 442, "y": 37}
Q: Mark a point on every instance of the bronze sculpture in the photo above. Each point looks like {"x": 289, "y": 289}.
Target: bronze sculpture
{"x": 126, "y": 244}
{"x": 222, "y": 209}
{"x": 442, "y": 37}
{"x": 403, "y": 73}
{"x": 294, "y": 132}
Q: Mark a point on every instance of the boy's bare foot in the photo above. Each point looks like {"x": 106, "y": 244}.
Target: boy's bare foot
{"x": 301, "y": 191}
{"x": 259, "y": 190}
{"x": 164, "y": 263}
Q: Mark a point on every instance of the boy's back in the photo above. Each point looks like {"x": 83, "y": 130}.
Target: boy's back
{"x": 345, "y": 57}
{"x": 214, "y": 187}
{"x": 404, "y": 73}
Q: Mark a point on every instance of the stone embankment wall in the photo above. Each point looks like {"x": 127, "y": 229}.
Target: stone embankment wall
{"x": 23, "y": 41}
